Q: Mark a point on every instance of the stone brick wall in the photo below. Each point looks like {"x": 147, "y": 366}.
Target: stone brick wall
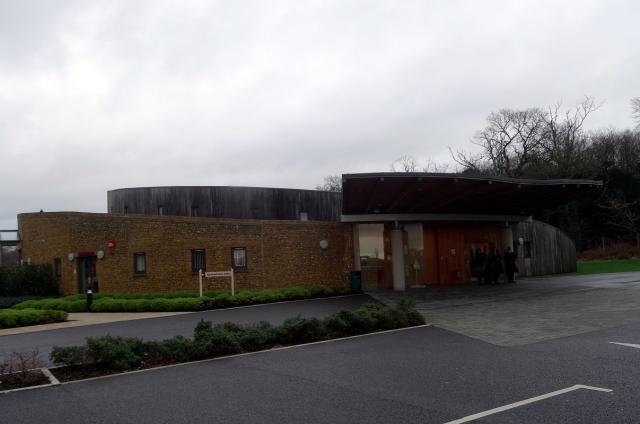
{"x": 279, "y": 253}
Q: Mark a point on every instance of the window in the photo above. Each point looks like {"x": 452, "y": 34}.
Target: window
{"x": 527, "y": 249}
{"x": 195, "y": 211}
{"x": 198, "y": 260}
{"x": 57, "y": 267}
{"x": 160, "y": 210}
{"x": 239, "y": 258}
{"x": 139, "y": 263}
{"x": 304, "y": 216}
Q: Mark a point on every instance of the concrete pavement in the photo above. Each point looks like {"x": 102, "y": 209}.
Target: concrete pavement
{"x": 530, "y": 310}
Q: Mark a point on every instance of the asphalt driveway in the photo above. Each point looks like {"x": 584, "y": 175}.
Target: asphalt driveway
{"x": 530, "y": 310}
{"x": 421, "y": 375}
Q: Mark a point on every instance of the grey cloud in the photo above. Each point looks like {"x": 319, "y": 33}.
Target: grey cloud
{"x": 99, "y": 95}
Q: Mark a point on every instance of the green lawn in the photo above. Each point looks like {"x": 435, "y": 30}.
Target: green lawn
{"x": 610, "y": 265}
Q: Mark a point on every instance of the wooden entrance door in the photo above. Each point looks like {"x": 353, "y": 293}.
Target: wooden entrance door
{"x": 445, "y": 255}
{"x": 451, "y": 255}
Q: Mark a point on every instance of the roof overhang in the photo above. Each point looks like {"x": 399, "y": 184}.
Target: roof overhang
{"x": 437, "y": 196}
{"x": 403, "y": 217}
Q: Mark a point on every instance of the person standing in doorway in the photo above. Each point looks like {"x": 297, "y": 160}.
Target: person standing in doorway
{"x": 496, "y": 265}
{"x": 479, "y": 264}
{"x": 510, "y": 265}
{"x": 487, "y": 270}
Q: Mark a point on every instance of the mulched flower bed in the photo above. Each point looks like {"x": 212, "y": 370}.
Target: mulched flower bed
{"x": 20, "y": 380}
{"x": 72, "y": 373}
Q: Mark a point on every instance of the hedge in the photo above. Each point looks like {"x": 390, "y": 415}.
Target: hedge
{"x": 210, "y": 341}
{"x": 18, "y": 318}
{"x": 28, "y": 280}
{"x": 189, "y": 302}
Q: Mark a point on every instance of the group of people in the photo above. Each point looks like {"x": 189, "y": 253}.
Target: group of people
{"x": 488, "y": 264}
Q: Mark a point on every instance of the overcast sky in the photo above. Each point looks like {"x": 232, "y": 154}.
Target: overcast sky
{"x": 101, "y": 95}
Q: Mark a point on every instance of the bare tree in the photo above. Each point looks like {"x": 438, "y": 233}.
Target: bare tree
{"x": 530, "y": 142}
{"x": 565, "y": 141}
{"x": 624, "y": 215}
{"x": 331, "y": 183}
{"x": 635, "y": 111}
{"x": 511, "y": 139}
{"x": 407, "y": 163}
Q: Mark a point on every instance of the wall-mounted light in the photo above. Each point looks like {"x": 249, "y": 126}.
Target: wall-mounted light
{"x": 71, "y": 257}
{"x": 100, "y": 254}
{"x": 324, "y": 244}
{"x": 520, "y": 241}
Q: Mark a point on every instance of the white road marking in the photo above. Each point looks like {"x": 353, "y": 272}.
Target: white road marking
{"x": 637, "y": 346}
{"x": 526, "y": 402}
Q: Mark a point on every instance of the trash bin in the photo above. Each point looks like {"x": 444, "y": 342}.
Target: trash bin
{"x": 355, "y": 277}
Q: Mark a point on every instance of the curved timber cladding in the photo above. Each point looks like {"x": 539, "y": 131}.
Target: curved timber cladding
{"x": 228, "y": 202}
{"x": 544, "y": 249}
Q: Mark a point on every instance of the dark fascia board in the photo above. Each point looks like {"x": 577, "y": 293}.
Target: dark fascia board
{"x": 434, "y": 175}
{"x": 418, "y": 217}
{"x": 219, "y": 186}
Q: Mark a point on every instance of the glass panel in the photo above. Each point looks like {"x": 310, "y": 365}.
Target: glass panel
{"x": 371, "y": 242}
{"x": 239, "y": 258}
{"x": 198, "y": 260}
{"x": 141, "y": 265}
{"x": 413, "y": 255}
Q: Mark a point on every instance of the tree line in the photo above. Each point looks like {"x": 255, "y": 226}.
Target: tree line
{"x": 552, "y": 142}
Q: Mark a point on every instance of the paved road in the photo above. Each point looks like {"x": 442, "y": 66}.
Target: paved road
{"x": 161, "y": 328}
{"x": 423, "y": 375}
{"x": 530, "y": 310}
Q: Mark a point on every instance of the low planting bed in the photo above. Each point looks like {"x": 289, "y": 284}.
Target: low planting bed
{"x": 179, "y": 301}
{"x": 10, "y": 318}
{"x": 19, "y": 370}
{"x": 109, "y": 354}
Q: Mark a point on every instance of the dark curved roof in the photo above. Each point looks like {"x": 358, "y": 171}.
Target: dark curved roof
{"x": 440, "y": 193}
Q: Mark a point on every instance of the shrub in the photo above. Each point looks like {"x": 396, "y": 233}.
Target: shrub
{"x": 23, "y": 317}
{"x": 612, "y": 251}
{"x": 301, "y": 330}
{"x": 28, "y": 280}
{"x": 216, "y": 340}
{"x": 178, "y": 301}
{"x": 70, "y": 355}
{"x": 179, "y": 348}
{"x": 209, "y": 341}
{"x": 258, "y": 337}
{"x": 118, "y": 353}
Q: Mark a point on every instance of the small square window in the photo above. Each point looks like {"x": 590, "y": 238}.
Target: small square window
{"x": 239, "y": 258}
{"x": 198, "y": 260}
{"x": 139, "y": 263}
{"x": 160, "y": 210}
{"x": 304, "y": 216}
{"x": 57, "y": 267}
{"x": 195, "y": 211}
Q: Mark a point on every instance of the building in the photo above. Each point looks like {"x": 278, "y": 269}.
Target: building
{"x": 400, "y": 230}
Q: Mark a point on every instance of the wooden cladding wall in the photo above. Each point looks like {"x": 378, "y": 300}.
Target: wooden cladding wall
{"x": 447, "y": 248}
{"x": 551, "y": 251}
{"x": 228, "y": 202}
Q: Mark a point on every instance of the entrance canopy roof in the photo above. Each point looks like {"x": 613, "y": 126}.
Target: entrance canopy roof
{"x": 440, "y": 195}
